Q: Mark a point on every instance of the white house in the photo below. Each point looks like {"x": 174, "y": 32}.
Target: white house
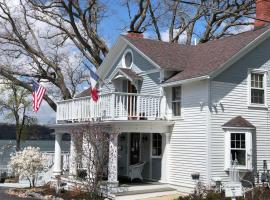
{"x": 180, "y": 109}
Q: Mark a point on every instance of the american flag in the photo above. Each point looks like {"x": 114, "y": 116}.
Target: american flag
{"x": 38, "y": 94}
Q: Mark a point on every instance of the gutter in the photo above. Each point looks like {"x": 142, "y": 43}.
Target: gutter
{"x": 173, "y": 83}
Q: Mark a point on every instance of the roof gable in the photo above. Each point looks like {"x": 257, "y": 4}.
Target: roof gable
{"x": 238, "y": 122}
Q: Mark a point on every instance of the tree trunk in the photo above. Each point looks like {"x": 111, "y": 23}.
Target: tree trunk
{"x": 18, "y": 137}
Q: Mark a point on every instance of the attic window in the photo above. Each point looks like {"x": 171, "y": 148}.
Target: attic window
{"x": 127, "y": 59}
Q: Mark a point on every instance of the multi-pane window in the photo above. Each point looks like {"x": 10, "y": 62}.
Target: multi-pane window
{"x": 257, "y": 95}
{"x": 176, "y": 101}
{"x": 238, "y": 148}
{"x": 156, "y": 144}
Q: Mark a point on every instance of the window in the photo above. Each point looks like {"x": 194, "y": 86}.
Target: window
{"x": 238, "y": 148}
{"x": 127, "y": 59}
{"x": 176, "y": 101}
{"x": 257, "y": 88}
{"x": 156, "y": 144}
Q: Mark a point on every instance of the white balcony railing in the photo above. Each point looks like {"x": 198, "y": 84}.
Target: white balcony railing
{"x": 112, "y": 106}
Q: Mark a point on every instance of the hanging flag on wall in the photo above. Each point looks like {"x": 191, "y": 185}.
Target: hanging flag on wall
{"x": 38, "y": 94}
{"x": 93, "y": 85}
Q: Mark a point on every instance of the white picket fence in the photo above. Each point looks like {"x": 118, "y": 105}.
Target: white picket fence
{"x": 112, "y": 106}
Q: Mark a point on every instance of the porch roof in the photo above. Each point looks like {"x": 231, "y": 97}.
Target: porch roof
{"x": 143, "y": 126}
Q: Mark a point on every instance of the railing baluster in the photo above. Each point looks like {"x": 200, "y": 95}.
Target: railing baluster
{"x": 109, "y": 106}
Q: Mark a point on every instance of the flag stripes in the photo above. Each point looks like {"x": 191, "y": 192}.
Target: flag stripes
{"x": 38, "y": 94}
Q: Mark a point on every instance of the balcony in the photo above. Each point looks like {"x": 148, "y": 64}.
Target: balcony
{"x": 111, "y": 106}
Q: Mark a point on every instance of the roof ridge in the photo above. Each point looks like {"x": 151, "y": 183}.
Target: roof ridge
{"x": 199, "y": 44}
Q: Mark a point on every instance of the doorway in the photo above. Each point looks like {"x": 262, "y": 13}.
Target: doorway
{"x": 134, "y": 148}
{"x": 131, "y": 101}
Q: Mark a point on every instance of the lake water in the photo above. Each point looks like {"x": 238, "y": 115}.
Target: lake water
{"x": 44, "y": 145}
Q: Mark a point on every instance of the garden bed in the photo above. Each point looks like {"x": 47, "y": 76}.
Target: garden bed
{"x": 258, "y": 193}
{"x": 46, "y": 192}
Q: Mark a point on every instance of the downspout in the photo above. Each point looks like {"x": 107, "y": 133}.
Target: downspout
{"x": 208, "y": 133}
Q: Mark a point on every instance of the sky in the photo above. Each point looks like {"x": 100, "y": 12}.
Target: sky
{"x": 112, "y": 26}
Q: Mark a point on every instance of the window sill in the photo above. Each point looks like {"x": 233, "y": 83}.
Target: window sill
{"x": 258, "y": 106}
{"x": 241, "y": 169}
{"x": 177, "y": 118}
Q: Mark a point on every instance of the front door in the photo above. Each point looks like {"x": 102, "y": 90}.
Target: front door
{"x": 132, "y": 101}
{"x": 134, "y": 148}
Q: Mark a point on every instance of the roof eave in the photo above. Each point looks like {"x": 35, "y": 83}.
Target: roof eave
{"x": 173, "y": 83}
{"x": 241, "y": 53}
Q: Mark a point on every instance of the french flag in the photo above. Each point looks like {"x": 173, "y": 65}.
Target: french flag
{"x": 93, "y": 85}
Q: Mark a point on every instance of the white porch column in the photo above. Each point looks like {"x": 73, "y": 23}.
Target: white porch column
{"x": 57, "y": 154}
{"x": 113, "y": 155}
{"x": 72, "y": 157}
{"x": 164, "y": 161}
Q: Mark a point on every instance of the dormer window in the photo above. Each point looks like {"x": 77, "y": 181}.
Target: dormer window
{"x": 127, "y": 59}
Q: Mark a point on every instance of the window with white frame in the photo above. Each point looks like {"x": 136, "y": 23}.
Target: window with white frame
{"x": 127, "y": 59}
{"x": 257, "y": 88}
{"x": 176, "y": 100}
{"x": 156, "y": 144}
{"x": 238, "y": 147}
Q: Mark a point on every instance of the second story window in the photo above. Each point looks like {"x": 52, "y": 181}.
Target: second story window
{"x": 257, "y": 88}
{"x": 176, "y": 101}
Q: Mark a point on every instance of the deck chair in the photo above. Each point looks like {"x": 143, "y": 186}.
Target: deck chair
{"x": 135, "y": 171}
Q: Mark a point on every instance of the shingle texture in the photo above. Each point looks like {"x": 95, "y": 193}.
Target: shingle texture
{"x": 130, "y": 73}
{"x": 238, "y": 122}
{"x": 194, "y": 61}
{"x": 190, "y": 61}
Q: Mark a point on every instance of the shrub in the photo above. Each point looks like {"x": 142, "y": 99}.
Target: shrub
{"x": 28, "y": 163}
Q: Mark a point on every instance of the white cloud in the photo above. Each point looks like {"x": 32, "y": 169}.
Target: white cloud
{"x": 182, "y": 38}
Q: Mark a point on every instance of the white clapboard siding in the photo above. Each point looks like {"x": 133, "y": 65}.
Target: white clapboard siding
{"x": 188, "y": 146}
{"x": 234, "y": 104}
{"x": 231, "y": 88}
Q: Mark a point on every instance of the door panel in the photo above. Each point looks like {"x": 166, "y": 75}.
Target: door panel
{"x": 134, "y": 148}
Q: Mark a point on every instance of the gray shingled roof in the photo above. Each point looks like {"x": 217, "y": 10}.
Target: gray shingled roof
{"x": 238, "y": 122}
{"x": 194, "y": 61}
{"x": 191, "y": 61}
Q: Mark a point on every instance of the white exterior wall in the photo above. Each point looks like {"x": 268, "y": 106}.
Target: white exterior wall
{"x": 231, "y": 89}
{"x": 188, "y": 143}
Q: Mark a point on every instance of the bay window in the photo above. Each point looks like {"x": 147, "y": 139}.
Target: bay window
{"x": 238, "y": 149}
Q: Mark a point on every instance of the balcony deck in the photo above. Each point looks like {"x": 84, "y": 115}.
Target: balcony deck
{"x": 111, "y": 106}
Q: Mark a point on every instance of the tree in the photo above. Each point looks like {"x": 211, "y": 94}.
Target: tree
{"x": 92, "y": 145}
{"x": 28, "y": 163}
{"x": 181, "y": 19}
{"x": 14, "y": 105}
{"x": 41, "y": 39}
